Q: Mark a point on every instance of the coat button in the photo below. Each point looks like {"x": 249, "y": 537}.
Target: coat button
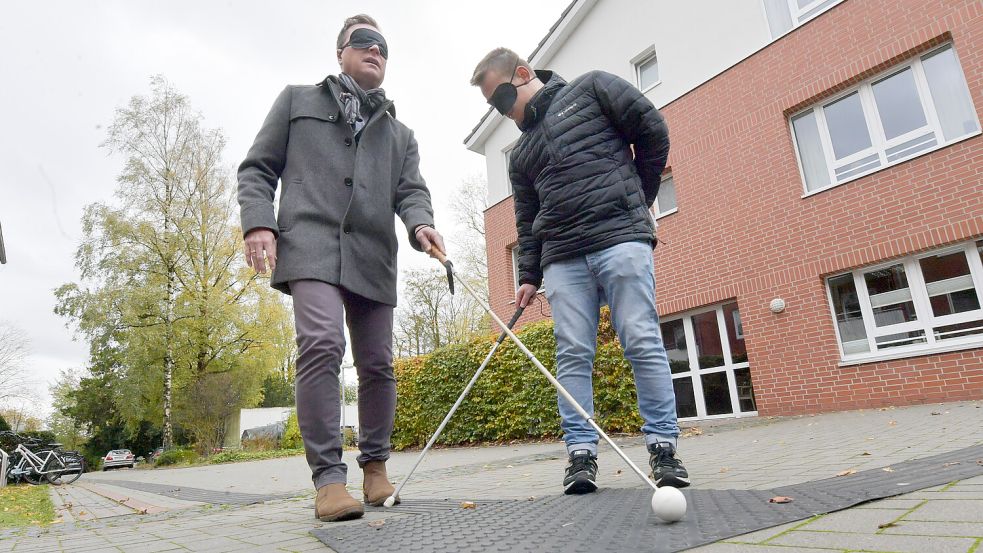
{"x": 348, "y": 181}
{"x": 331, "y": 118}
{"x": 348, "y": 229}
{"x": 348, "y": 141}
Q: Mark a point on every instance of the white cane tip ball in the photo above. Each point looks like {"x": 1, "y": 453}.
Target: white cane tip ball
{"x": 669, "y": 504}
{"x": 390, "y": 501}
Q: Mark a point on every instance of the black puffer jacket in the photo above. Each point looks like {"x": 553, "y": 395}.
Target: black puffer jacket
{"x": 578, "y": 188}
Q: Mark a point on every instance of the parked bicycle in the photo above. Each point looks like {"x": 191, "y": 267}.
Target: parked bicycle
{"x": 33, "y": 461}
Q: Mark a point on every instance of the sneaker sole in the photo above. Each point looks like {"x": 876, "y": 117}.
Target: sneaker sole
{"x": 579, "y": 487}
{"x": 672, "y": 481}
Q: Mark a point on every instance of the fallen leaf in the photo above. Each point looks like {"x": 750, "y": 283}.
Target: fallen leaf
{"x": 377, "y": 523}
{"x": 952, "y": 463}
{"x": 780, "y": 499}
{"x": 469, "y": 505}
{"x": 887, "y": 469}
{"x": 531, "y": 498}
{"x": 865, "y": 453}
{"x": 508, "y": 466}
{"x": 936, "y": 413}
{"x": 887, "y": 525}
{"x": 724, "y": 469}
{"x": 892, "y": 423}
{"x": 847, "y": 472}
{"x": 618, "y": 472}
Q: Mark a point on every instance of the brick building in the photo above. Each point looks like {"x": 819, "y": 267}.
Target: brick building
{"x": 822, "y": 211}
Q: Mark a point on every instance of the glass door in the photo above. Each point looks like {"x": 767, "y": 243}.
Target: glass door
{"x": 709, "y": 365}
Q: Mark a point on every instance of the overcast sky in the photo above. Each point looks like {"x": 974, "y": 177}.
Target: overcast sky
{"x": 67, "y": 65}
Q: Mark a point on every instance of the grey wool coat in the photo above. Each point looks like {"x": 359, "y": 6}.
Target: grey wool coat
{"x": 335, "y": 222}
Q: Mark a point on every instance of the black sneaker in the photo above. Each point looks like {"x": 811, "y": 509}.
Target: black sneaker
{"x": 666, "y": 468}
{"x": 581, "y": 473}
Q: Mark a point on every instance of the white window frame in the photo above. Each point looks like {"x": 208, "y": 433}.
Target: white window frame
{"x": 695, "y": 372}
{"x": 798, "y": 13}
{"x": 925, "y": 319}
{"x": 657, "y": 212}
{"x": 506, "y": 154}
{"x": 643, "y": 57}
{"x": 879, "y": 143}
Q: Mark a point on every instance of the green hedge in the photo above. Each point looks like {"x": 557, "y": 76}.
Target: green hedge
{"x": 511, "y": 399}
{"x": 176, "y": 456}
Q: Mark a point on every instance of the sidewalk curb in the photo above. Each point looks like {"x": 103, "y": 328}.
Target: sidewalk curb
{"x": 138, "y": 506}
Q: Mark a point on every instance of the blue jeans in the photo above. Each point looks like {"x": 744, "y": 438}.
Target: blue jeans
{"x": 623, "y": 277}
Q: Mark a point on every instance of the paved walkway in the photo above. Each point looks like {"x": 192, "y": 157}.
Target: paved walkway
{"x": 754, "y": 453}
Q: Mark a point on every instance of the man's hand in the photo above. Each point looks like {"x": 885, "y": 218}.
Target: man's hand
{"x": 429, "y": 238}
{"x": 260, "y": 247}
{"x": 525, "y": 294}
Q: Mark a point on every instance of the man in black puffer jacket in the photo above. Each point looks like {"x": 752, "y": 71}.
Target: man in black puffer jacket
{"x": 584, "y": 174}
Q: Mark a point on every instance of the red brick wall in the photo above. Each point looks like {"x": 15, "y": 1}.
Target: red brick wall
{"x": 744, "y": 231}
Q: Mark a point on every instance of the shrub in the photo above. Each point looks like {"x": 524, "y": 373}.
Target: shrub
{"x": 511, "y": 400}
{"x": 234, "y": 455}
{"x": 291, "y": 434}
{"x": 176, "y": 456}
{"x": 349, "y": 438}
{"x": 260, "y": 443}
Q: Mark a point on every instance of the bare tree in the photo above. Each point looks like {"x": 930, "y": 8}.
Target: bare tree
{"x": 431, "y": 317}
{"x": 469, "y": 207}
{"x": 14, "y": 350}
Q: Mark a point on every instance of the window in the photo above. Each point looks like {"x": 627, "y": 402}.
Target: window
{"x": 925, "y": 303}
{"x": 665, "y": 200}
{"x": 646, "y": 69}
{"x": 785, "y": 15}
{"x": 911, "y": 110}
{"x": 709, "y": 363}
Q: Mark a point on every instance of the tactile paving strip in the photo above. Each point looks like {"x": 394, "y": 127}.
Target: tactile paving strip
{"x": 621, "y": 520}
{"x": 197, "y": 494}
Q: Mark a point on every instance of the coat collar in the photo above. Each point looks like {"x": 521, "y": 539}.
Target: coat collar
{"x": 540, "y": 102}
{"x": 330, "y": 84}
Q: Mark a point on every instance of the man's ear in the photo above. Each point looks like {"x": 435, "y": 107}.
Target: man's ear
{"x": 524, "y": 73}
{"x": 338, "y": 52}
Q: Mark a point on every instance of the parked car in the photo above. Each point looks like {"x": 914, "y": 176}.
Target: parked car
{"x": 118, "y": 458}
{"x": 153, "y": 455}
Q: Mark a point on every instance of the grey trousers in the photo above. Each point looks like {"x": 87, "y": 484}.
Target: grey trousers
{"x": 318, "y": 311}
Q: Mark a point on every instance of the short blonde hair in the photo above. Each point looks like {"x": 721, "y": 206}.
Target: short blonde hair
{"x": 499, "y": 60}
{"x": 360, "y": 19}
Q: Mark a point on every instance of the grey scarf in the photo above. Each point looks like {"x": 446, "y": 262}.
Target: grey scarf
{"x": 353, "y": 98}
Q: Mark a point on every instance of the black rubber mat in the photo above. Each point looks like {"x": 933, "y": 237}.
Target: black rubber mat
{"x": 621, "y": 519}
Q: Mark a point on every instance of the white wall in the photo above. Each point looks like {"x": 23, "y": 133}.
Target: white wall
{"x": 254, "y": 418}
{"x": 694, "y": 40}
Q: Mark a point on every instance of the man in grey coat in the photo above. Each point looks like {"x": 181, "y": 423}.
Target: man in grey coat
{"x": 346, "y": 166}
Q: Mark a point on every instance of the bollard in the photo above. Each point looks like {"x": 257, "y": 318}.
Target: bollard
{"x": 4, "y": 460}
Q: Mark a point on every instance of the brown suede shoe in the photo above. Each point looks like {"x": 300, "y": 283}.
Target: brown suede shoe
{"x": 335, "y": 503}
{"x": 375, "y": 483}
